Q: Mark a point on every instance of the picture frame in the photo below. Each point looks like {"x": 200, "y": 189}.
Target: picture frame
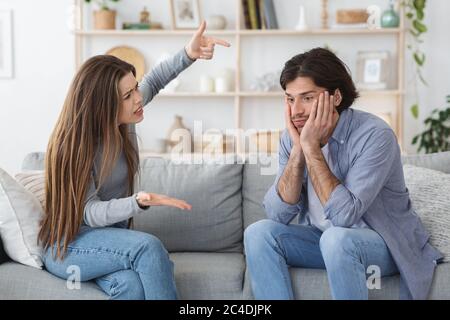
{"x": 373, "y": 70}
{"x": 185, "y": 14}
{"x": 6, "y": 55}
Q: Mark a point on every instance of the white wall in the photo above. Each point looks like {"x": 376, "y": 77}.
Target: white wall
{"x": 44, "y": 66}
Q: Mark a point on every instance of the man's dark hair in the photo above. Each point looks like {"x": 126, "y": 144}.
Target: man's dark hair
{"x": 326, "y": 70}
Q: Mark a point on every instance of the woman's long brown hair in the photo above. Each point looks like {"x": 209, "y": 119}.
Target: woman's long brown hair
{"x": 88, "y": 121}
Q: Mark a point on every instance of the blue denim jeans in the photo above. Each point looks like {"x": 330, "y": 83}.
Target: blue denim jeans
{"x": 126, "y": 264}
{"x": 346, "y": 253}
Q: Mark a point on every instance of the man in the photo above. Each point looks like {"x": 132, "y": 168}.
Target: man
{"x": 340, "y": 172}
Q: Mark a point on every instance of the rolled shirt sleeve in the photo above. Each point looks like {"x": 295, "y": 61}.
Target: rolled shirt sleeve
{"x": 277, "y": 209}
{"x": 366, "y": 177}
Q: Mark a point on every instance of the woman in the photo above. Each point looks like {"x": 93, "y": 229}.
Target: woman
{"x": 91, "y": 163}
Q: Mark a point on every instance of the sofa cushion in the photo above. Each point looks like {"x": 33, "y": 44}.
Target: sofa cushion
{"x": 312, "y": 284}
{"x": 20, "y": 216}
{"x": 34, "y": 161}
{"x": 209, "y": 276}
{"x": 429, "y": 192}
{"x": 198, "y": 276}
{"x": 33, "y": 181}
{"x": 436, "y": 161}
{"x": 259, "y": 175}
{"x": 213, "y": 190}
{"x": 20, "y": 282}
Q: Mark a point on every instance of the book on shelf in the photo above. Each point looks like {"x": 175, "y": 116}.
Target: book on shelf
{"x": 259, "y": 14}
{"x": 262, "y": 15}
{"x": 270, "y": 14}
{"x": 246, "y": 13}
{"x": 136, "y": 26}
{"x": 252, "y": 9}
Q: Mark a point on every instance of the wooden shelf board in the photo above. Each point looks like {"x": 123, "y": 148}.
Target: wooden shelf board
{"x": 163, "y": 32}
{"x": 249, "y": 94}
{"x": 275, "y": 32}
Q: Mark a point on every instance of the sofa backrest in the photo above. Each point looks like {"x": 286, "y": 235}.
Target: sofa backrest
{"x": 213, "y": 190}
{"x": 226, "y": 199}
{"x": 258, "y": 179}
{"x": 435, "y": 161}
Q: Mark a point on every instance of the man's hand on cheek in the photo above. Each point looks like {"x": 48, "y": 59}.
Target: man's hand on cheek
{"x": 320, "y": 123}
{"x": 294, "y": 133}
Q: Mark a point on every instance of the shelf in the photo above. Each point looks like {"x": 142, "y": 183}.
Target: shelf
{"x": 250, "y": 94}
{"x": 318, "y": 31}
{"x": 277, "y": 32}
{"x": 241, "y": 95}
{"x": 281, "y": 94}
{"x": 164, "y": 32}
{"x": 196, "y": 95}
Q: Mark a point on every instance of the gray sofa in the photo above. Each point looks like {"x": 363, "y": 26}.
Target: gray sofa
{"x": 206, "y": 243}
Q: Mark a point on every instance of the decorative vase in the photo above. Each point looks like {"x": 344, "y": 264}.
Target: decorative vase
{"x": 206, "y": 84}
{"x": 301, "y": 25}
{"x": 390, "y": 18}
{"x": 105, "y": 19}
{"x": 178, "y": 137}
{"x": 216, "y": 22}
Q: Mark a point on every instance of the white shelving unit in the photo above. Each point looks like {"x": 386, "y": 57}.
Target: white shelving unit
{"x": 240, "y": 36}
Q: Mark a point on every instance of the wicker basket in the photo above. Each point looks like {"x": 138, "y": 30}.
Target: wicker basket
{"x": 350, "y": 16}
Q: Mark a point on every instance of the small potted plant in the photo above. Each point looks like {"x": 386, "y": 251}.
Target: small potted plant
{"x": 104, "y": 18}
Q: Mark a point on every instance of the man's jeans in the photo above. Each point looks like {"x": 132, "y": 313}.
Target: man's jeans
{"x": 346, "y": 253}
{"x": 126, "y": 264}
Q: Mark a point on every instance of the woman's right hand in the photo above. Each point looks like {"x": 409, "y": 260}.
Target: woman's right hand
{"x": 153, "y": 199}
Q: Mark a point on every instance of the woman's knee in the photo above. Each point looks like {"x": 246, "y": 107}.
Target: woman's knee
{"x": 150, "y": 252}
{"x": 123, "y": 285}
{"x": 149, "y": 242}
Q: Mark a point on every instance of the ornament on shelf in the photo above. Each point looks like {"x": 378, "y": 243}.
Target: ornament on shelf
{"x": 324, "y": 15}
{"x": 267, "y": 82}
{"x": 301, "y": 25}
{"x": 145, "y": 16}
{"x": 179, "y": 139}
{"x": 206, "y": 84}
{"x": 390, "y": 18}
{"x": 374, "y": 20}
{"x": 216, "y": 22}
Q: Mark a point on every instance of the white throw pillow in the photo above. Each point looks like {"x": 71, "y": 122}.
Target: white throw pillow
{"x": 430, "y": 196}
{"x": 20, "y": 216}
{"x": 33, "y": 181}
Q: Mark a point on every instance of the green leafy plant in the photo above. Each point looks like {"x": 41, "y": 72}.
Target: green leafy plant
{"x": 415, "y": 13}
{"x": 103, "y": 4}
{"x": 436, "y": 137}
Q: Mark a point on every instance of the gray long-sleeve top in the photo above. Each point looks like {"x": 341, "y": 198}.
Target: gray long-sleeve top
{"x": 111, "y": 205}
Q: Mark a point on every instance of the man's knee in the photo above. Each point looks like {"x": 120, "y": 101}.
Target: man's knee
{"x": 335, "y": 242}
{"x": 259, "y": 232}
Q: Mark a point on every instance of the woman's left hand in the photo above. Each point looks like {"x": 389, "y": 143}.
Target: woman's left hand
{"x": 201, "y": 47}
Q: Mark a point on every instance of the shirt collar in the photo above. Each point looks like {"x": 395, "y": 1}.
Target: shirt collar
{"x": 340, "y": 133}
